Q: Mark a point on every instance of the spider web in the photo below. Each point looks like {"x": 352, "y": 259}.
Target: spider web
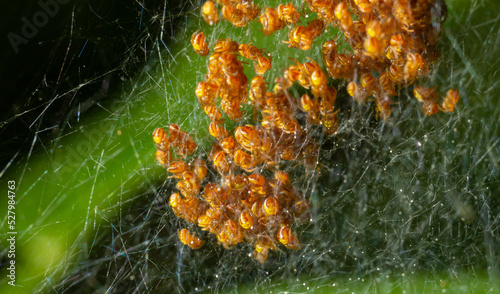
{"x": 407, "y": 205}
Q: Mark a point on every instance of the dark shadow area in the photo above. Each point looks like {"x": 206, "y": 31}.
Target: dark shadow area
{"x": 61, "y": 58}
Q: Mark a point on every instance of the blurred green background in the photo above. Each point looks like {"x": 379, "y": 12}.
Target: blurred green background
{"x": 85, "y": 94}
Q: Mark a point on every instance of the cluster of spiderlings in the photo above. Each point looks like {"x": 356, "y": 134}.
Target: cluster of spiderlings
{"x": 239, "y": 13}
{"x": 320, "y": 110}
{"x": 393, "y": 44}
{"x": 243, "y": 206}
{"x": 265, "y": 209}
{"x": 262, "y": 63}
{"x": 225, "y": 79}
{"x": 275, "y": 19}
{"x": 251, "y": 208}
{"x": 177, "y": 139}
